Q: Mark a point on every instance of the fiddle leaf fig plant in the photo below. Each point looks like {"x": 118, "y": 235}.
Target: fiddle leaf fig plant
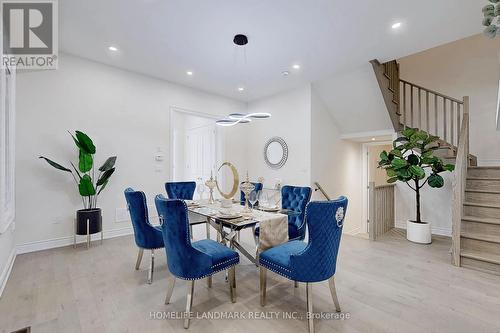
{"x": 89, "y": 186}
{"x": 412, "y": 155}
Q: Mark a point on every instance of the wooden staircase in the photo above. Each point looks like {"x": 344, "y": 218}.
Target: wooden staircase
{"x": 480, "y": 223}
{"x": 476, "y": 190}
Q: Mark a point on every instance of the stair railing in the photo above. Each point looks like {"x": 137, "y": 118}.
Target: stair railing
{"x": 431, "y": 111}
{"x": 459, "y": 181}
{"x": 320, "y": 188}
{"x": 381, "y": 209}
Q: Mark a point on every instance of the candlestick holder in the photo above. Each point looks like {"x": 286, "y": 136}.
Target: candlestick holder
{"x": 246, "y": 187}
{"x": 211, "y": 184}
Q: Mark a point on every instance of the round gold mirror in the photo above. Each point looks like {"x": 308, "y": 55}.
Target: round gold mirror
{"x": 236, "y": 181}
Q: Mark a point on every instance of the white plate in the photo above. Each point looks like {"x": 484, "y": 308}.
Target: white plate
{"x": 270, "y": 209}
{"x": 228, "y": 215}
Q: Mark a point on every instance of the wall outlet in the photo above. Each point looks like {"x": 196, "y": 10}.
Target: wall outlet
{"x": 122, "y": 215}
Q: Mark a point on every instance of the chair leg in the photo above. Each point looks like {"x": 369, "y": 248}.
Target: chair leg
{"x": 232, "y": 283}
{"x": 209, "y": 281}
{"x": 333, "y": 290}
{"x": 263, "y": 282}
{"x": 310, "y": 318}
{"x": 151, "y": 267}
{"x": 295, "y": 284}
{"x": 170, "y": 289}
{"x": 139, "y": 259}
{"x": 189, "y": 304}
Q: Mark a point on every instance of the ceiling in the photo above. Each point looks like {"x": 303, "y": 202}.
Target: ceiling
{"x": 166, "y": 38}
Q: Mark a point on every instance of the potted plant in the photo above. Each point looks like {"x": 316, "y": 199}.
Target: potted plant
{"x": 412, "y": 161}
{"x": 89, "y": 186}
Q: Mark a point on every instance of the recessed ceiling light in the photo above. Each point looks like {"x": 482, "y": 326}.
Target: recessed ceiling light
{"x": 397, "y": 25}
{"x": 190, "y": 73}
{"x": 296, "y": 66}
{"x": 373, "y": 139}
{"x": 285, "y": 73}
{"x": 113, "y": 48}
{"x": 241, "y": 89}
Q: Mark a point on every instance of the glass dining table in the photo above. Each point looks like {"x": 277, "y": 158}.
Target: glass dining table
{"x": 228, "y": 224}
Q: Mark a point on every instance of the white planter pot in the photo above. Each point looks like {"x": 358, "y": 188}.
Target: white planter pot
{"x": 418, "y": 232}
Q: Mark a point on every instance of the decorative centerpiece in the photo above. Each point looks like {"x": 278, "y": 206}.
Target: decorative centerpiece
{"x": 247, "y": 187}
{"x": 211, "y": 184}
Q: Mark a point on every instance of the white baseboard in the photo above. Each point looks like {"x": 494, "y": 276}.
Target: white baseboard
{"x": 65, "y": 241}
{"x": 6, "y": 270}
{"x": 435, "y": 230}
{"x": 491, "y": 162}
{"x": 352, "y": 232}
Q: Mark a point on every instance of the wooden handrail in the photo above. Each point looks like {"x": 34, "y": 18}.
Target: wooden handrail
{"x": 459, "y": 182}
{"x": 432, "y": 91}
{"x": 320, "y": 188}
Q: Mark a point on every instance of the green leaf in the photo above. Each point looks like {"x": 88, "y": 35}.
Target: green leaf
{"x": 408, "y": 132}
{"x": 397, "y": 153}
{"x": 85, "y": 142}
{"x": 398, "y": 163}
{"x": 391, "y": 172}
{"x": 110, "y": 162}
{"x": 417, "y": 171}
{"x": 436, "y": 181}
{"x": 430, "y": 160}
{"x": 55, "y": 165}
{"x": 404, "y": 174}
{"x": 392, "y": 180}
{"x": 449, "y": 167}
{"x": 419, "y": 136}
{"x": 105, "y": 176}
{"x": 86, "y": 162}
{"x": 86, "y": 187}
{"x": 413, "y": 159}
{"x": 102, "y": 187}
{"x": 384, "y": 156}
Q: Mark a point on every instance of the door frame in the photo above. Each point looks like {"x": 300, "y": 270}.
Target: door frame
{"x": 364, "y": 224}
{"x": 219, "y": 136}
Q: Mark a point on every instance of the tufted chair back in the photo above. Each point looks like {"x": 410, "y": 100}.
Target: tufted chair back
{"x": 180, "y": 190}
{"x": 146, "y": 236}
{"x": 317, "y": 262}
{"x": 184, "y": 261}
{"x": 296, "y": 198}
{"x": 258, "y": 187}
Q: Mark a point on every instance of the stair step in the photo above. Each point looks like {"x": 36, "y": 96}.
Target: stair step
{"x": 476, "y": 219}
{"x": 485, "y": 184}
{"x": 484, "y": 172}
{"x": 487, "y": 257}
{"x": 481, "y": 262}
{"x": 481, "y": 237}
{"x": 488, "y": 197}
{"x": 484, "y": 205}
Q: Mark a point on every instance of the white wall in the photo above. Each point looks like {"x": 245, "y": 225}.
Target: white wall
{"x": 335, "y": 163}
{"x": 291, "y": 120}
{"x": 7, "y": 255}
{"x": 468, "y": 67}
{"x": 124, "y": 113}
{"x": 355, "y": 101}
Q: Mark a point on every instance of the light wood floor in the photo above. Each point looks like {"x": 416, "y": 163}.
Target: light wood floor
{"x": 387, "y": 286}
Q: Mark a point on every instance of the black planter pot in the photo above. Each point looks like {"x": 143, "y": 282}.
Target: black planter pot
{"x": 94, "y": 218}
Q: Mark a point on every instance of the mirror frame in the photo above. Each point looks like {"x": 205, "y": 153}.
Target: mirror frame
{"x": 236, "y": 181}
{"x": 284, "y": 147}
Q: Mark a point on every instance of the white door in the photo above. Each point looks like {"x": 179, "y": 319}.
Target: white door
{"x": 200, "y": 152}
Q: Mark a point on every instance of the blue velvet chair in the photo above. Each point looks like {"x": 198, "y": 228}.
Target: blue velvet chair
{"x": 191, "y": 260}
{"x": 294, "y": 198}
{"x": 258, "y": 187}
{"x": 185, "y": 191}
{"x": 310, "y": 262}
{"x": 147, "y": 237}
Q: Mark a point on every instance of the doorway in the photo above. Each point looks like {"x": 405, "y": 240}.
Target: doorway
{"x": 371, "y": 173}
{"x": 195, "y": 146}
